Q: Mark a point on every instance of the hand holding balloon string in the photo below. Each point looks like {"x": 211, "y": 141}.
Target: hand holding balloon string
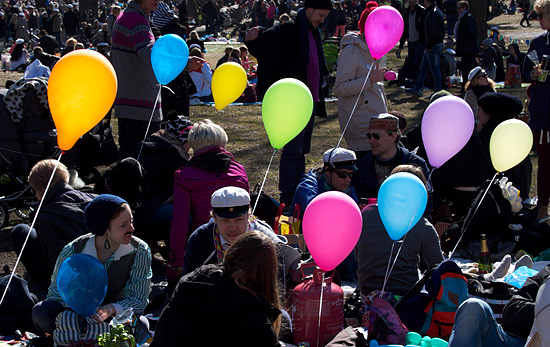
{"x": 102, "y": 313}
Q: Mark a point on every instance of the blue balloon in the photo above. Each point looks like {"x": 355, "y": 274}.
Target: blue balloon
{"x": 82, "y": 282}
{"x": 402, "y": 200}
{"x": 169, "y": 57}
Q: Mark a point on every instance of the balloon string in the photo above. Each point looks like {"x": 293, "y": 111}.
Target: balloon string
{"x": 320, "y": 308}
{"x": 149, "y": 124}
{"x": 467, "y": 221}
{"x": 263, "y": 182}
{"x": 31, "y": 228}
{"x": 387, "y": 269}
{"x": 356, "y": 102}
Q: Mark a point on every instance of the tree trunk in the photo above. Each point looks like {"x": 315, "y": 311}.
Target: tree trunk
{"x": 478, "y": 9}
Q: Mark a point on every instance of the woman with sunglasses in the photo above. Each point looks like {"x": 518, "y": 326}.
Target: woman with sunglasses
{"x": 478, "y": 84}
{"x": 539, "y": 106}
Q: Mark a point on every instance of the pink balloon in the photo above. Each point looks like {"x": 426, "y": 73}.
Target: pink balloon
{"x": 390, "y": 76}
{"x": 383, "y": 30}
{"x": 332, "y": 226}
{"x": 447, "y": 125}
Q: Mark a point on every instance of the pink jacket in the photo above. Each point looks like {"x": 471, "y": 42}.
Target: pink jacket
{"x": 210, "y": 169}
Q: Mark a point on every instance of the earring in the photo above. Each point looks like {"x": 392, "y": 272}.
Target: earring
{"x": 107, "y": 244}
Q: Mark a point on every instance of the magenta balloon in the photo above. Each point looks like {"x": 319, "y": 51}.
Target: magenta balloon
{"x": 447, "y": 125}
{"x": 390, "y": 76}
{"x": 332, "y": 226}
{"x": 383, "y": 30}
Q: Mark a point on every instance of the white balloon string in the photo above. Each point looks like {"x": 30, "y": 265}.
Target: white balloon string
{"x": 356, "y": 102}
{"x": 30, "y": 230}
{"x": 320, "y": 308}
{"x": 149, "y": 124}
{"x": 469, "y": 217}
{"x": 263, "y": 182}
{"x": 387, "y": 269}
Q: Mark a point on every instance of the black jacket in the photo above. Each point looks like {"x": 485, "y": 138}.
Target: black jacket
{"x": 283, "y": 52}
{"x": 419, "y": 22}
{"x": 61, "y": 219}
{"x": 435, "y": 26}
{"x": 519, "y": 314}
{"x": 208, "y": 309}
{"x": 466, "y": 36}
{"x": 49, "y": 44}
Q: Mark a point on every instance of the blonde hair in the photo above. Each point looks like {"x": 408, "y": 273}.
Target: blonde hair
{"x": 205, "y": 134}
{"x": 41, "y": 172}
{"x": 71, "y": 42}
{"x": 194, "y": 35}
{"x": 542, "y": 6}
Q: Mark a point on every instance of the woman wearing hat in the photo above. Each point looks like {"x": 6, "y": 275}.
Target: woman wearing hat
{"x": 353, "y": 65}
{"x": 127, "y": 261}
{"x": 19, "y": 55}
{"x": 235, "y": 303}
{"x": 478, "y": 84}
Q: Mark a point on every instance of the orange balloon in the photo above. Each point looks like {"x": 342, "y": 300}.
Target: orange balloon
{"x": 81, "y": 90}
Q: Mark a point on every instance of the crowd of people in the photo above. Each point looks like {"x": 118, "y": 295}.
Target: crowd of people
{"x": 221, "y": 261}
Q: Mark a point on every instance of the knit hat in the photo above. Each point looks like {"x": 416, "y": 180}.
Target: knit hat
{"x": 384, "y": 121}
{"x": 318, "y": 4}
{"x": 230, "y": 202}
{"x": 488, "y": 42}
{"x": 500, "y": 105}
{"x": 19, "y": 41}
{"x": 371, "y": 6}
{"x": 180, "y": 127}
{"x": 473, "y": 73}
{"x": 438, "y": 95}
{"x": 99, "y": 212}
{"x": 340, "y": 158}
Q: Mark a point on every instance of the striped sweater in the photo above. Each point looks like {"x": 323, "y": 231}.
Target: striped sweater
{"x": 132, "y": 42}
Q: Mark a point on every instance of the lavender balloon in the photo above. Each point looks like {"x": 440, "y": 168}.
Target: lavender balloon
{"x": 447, "y": 125}
{"x": 383, "y": 30}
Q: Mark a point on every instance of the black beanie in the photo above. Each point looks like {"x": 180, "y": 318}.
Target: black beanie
{"x": 318, "y": 4}
{"x": 99, "y": 212}
{"x": 500, "y": 106}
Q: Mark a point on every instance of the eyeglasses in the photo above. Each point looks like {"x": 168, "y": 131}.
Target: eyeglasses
{"x": 482, "y": 75}
{"x": 344, "y": 174}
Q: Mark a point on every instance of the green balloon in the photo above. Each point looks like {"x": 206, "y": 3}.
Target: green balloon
{"x": 286, "y": 110}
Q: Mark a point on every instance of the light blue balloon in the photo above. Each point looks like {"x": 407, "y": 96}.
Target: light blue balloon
{"x": 169, "y": 57}
{"x": 82, "y": 282}
{"x": 402, "y": 200}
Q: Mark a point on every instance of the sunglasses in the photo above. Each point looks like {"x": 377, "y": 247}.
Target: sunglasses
{"x": 376, "y": 136}
{"x": 482, "y": 75}
{"x": 344, "y": 174}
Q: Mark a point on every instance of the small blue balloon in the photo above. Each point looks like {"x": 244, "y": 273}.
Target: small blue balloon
{"x": 82, "y": 282}
{"x": 402, "y": 200}
{"x": 169, "y": 57}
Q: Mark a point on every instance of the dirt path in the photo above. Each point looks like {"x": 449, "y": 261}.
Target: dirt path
{"x": 509, "y": 27}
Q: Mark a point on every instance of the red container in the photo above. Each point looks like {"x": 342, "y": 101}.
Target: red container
{"x": 305, "y": 310}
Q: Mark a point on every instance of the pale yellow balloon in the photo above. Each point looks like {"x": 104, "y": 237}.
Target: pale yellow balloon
{"x": 228, "y": 83}
{"x": 510, "y": 143}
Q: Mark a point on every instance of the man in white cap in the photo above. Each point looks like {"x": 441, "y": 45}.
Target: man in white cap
{"x": 71, "y": 21}
{"x": 336, "y": 174}
{"x": 375, "y": 166}
{"x": 230, "y": 219}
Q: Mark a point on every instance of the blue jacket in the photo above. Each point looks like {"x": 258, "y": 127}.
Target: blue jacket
{"x": 312, "y": 184}
{"x": 539, "y": 106}
{"x": 366, "y": 183}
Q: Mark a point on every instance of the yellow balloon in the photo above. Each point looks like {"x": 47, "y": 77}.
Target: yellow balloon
{"x": 228, "y": 83}
{"x": 510, "y": 143}
{"x": 81, "y": 90}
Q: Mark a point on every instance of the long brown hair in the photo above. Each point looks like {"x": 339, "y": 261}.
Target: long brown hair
{"x": 252, "y": 263}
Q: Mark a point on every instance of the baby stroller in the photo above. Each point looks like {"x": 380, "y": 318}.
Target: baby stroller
{"x": 28, "y": 135}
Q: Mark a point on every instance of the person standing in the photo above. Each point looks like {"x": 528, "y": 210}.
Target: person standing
{"x": 71, "y": 21}
{"x": 450, "y": 10}
{"x": 467, "y": 45}
{"x": 414, "y": 33}
{"x": 435, "y": 32}
{"x": 293, "y": 49}
{"x": 539, "y": 106}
